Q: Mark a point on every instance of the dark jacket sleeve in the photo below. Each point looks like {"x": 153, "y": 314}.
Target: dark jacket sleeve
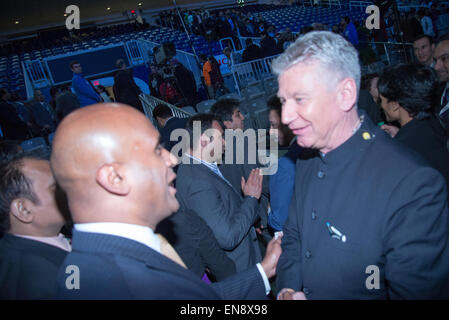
{"x": 416, "y": 237}
{"x": 220, "y": 265}
{"x": 246, "y": 285}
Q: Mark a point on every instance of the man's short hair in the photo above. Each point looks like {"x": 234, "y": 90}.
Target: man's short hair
{"x": 206, "y": 121}
{"x": 367, "y": 79}
{"x": 13, "y": 185}
{"x": 223, "y": 110}
{"x": 119, "y": 63}
{"x": 413, "y": 86}
{"x": 333, "y": 51}
{"x": 444, "y": 37}
{"x": 422, "y": 36}
{"x": 274, "y": 103}
{"x": 72, "y": 63}
{"x": 162, "y": 111}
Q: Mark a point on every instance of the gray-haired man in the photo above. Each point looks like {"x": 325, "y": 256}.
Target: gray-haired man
{"x": 368, "y": 219}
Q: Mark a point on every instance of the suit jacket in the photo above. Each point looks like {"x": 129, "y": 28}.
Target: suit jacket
{"x": 28, "y": 268}
{"x": 126, "y": 90}
{"x": 227, "y": 213}
{"x": 112, "y": 267}
{"x": 390, "y": 206}
{"x": 234, "y": 172}
{"x": 171, "y": 125}
{"x": 195, "y": 243}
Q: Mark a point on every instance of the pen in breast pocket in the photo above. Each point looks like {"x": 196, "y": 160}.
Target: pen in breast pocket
{"x": 335, "y": 233}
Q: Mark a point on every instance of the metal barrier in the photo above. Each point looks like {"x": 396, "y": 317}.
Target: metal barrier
{"x": 150, "y": 102}
{"x": 251, "y": 72}
{"x": 36, "y": 73}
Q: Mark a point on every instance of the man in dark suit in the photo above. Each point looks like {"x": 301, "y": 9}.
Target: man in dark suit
{"x": 119, "y": 184}
{"x": 203, "y": 188}
{"x": 368, "y": 218}
{"x": 168, "y": 123}
{"x": 195, "y": 243}
{"x": 31, "y": 248}
{"x": 125, "y": 88}
{"x": 241, "y": 165}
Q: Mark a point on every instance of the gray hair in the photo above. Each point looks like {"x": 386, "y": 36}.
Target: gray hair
{"x": 332, "y": 50}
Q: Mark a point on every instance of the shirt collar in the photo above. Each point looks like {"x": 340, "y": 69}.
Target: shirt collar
{"x": 134, "y": 232}
{"x": 59, "y": 241}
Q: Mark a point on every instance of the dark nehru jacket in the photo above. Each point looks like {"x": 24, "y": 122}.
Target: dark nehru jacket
{"x": 386, "y": 209}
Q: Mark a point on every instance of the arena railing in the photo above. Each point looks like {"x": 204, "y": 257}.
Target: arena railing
{"x": 247, "y": 73}
{"x": 36, "y": 73}
{"x": 150, "y": 102}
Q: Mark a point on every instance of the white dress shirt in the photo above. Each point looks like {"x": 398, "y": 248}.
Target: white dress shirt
{"x": 134, "y": 232}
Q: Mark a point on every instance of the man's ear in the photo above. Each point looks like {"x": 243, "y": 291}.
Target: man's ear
{"x": 111, "y": 177}
{"x": 21, "y": 209}
{"x": 347, "y": 94}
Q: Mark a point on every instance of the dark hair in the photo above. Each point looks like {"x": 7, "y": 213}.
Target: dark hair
{"x": 444, "y": 37}
{"x": 119, "y": 63}
{"x": 414, "y": 87}
{"x": 162, "y": 111}
{"x": 72, "y": 63}
{"x": 206, "y": 121}
{"x": 274, "y": 103}
{"x": 8, "y": 150}
{"x": 13, "y": 185}
{"x": 422, "y": 36}
{"x": 223, "y": 110}
{"x": 365, "y": 84}
{"x": 53, "y": 91}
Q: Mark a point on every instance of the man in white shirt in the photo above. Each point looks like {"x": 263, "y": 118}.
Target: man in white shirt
{"x": 119, "y": 184}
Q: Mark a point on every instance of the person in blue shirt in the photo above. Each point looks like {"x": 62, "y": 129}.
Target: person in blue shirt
{"x": 350, "y": 31}
{"x": 83, "y": 88}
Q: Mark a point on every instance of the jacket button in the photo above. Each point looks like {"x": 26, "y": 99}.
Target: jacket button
{"x": 308, "y": 254}
{"x": 321, "y": 174}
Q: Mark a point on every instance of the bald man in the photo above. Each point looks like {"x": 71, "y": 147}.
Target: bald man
{"x": 119, "y": 184}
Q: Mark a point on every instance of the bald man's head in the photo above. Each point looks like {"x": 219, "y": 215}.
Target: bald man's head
{"x": 108, "y": 159}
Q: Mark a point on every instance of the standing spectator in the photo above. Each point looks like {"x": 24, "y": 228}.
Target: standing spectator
{"x": 408, "y": 96}
{"x": 268, "y": 45}
{"x": 186, "y": 82}
{"x": 207, "y": 68}
{"x": 349, "y": 31}
{"x": 84, "y": 90}
{"x": 12, "y": 126}
{"x": 251, "y": 52}
{"x": 426, "y": 22}
{"x": 125, "y": 88}
{"x": 43, "y": 114}
{"x": 441, "y": 57}
{"x": 66, "y": 102}
{"x": 154, "y": 81}
{"x": 411, "y": 26}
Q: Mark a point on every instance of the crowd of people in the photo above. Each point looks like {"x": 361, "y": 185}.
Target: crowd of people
{"x": 362, "y": 187}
